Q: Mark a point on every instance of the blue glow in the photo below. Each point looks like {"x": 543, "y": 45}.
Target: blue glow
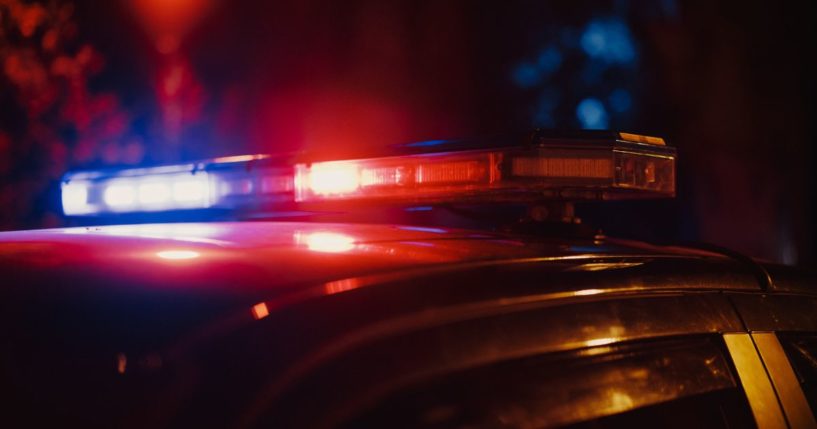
{"x": 549, "y": 60}
{"x": 620, "y": 100}
{"x": 157, "y": 192}
{"x": 419, "y": 209}
{"x": 593, "y": 72}
{"x": 527, "y": 75}
{"x": 592, "y": 114}
{"x": 223, "y": 183}
{"x": 670, "y": 8}
{"x": 427, "y": 143}
{"x": 609, "y": 40}
{"x": 424, "y": 229}
{"x": 587, "y": 249}
{"x": 148, "y": 192}
{"x": 545, "y": 106}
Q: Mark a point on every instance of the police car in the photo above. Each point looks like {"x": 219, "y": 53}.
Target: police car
{"x": 283, "y": 320}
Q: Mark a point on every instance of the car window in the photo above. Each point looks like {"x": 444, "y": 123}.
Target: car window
{"x": 802, "y": 352}
{"x": 678, "y": 383}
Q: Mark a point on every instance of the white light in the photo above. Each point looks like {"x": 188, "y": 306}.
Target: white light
{"x": 334, "y": 178}
{"x": 328, "y": 242}
{"x": 177, "y": 254}
{"x": 75, "y": 198}
{"x": 154, "y": 193}
{"x": 190, "y": 190}
{"x": 120, "y": 194}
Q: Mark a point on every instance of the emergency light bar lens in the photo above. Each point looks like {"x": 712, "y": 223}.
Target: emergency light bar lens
{"x": 119, "y": 195}
{"x": 151, "y": 194}
{"x": 154, "y": 193}
{"x": 334, "y": 178}
{"x": 618, "y": 167}
{"x": 190, "y": 190}
{"x": 227, "y": 183}
{"x": 75, "y": 198}
{"x": 615, "y": 171}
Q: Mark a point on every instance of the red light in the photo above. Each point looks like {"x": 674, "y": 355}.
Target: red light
{"x": 382, "y": 176}
{"x": 394, "y": 176}
{"x": 333, "y": 178}
{"x": 563, "y": 167}
{"x": 502, "y": 175}
{"x": 341, "y": 286}
{"x": 452, "y": 172}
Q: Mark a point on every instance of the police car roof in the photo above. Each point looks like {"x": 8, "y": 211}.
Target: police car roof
{"x": 273, "y": 259}
{"x": 175, "y": 293}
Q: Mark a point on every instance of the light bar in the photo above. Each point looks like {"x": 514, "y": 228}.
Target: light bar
{"x": 601, "y": 169}
{"x": 225, "y": 183}
{"x": 606, "y": 166}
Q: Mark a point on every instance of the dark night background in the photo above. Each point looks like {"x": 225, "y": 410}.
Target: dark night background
{"x": 137, "y": 82}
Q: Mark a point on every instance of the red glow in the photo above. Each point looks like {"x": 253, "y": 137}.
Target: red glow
{"x": 333, "y": 178}
{"x": 326, "y": 242}
{"x": 260, "y": 311}
{"x": 326, "y": 120}
{"x": 175, "y": 255}
{"x": 167, "y": 21}
{"x": 121, "y": 363}
{"x": 181, "y": 97}
{"x": 339, "y": 286}
{"x": 463, "y": 171}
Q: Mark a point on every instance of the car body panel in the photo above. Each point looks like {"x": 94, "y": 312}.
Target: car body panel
{"x": 273, "y": 308}
{"x": 276, "y": 256}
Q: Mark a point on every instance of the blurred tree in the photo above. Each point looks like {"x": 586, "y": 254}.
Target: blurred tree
{"x": 51, "y": 120}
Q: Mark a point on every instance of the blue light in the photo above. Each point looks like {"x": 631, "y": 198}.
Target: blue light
{"x": 527, "y": 75}
{"x": 216, "y": 184}
{"x": 75, "y": 198}
{"x": 609, "y": 40}
{"x": 427, "y": 143}
{"x": 119, "y": 195}
{"x": 592, "y": 114}
{"x": 620, "y": 100}
{"x": 549, "y": 60}
{"x": 424, "y": 229}
{"x": 545, "y": 106}
{"x": 593, "y": 72}
{"x": 419, "y": 209}
{"x": 156, "y": 192}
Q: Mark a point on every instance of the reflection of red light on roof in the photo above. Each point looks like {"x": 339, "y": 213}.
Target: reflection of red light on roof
{"x": 341, "y": 286}
{"x": 329, "y": 242}
{"x": 260, "y": 311}
{"x": 177, "y": 254}
{"x": 168, "y": 43}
